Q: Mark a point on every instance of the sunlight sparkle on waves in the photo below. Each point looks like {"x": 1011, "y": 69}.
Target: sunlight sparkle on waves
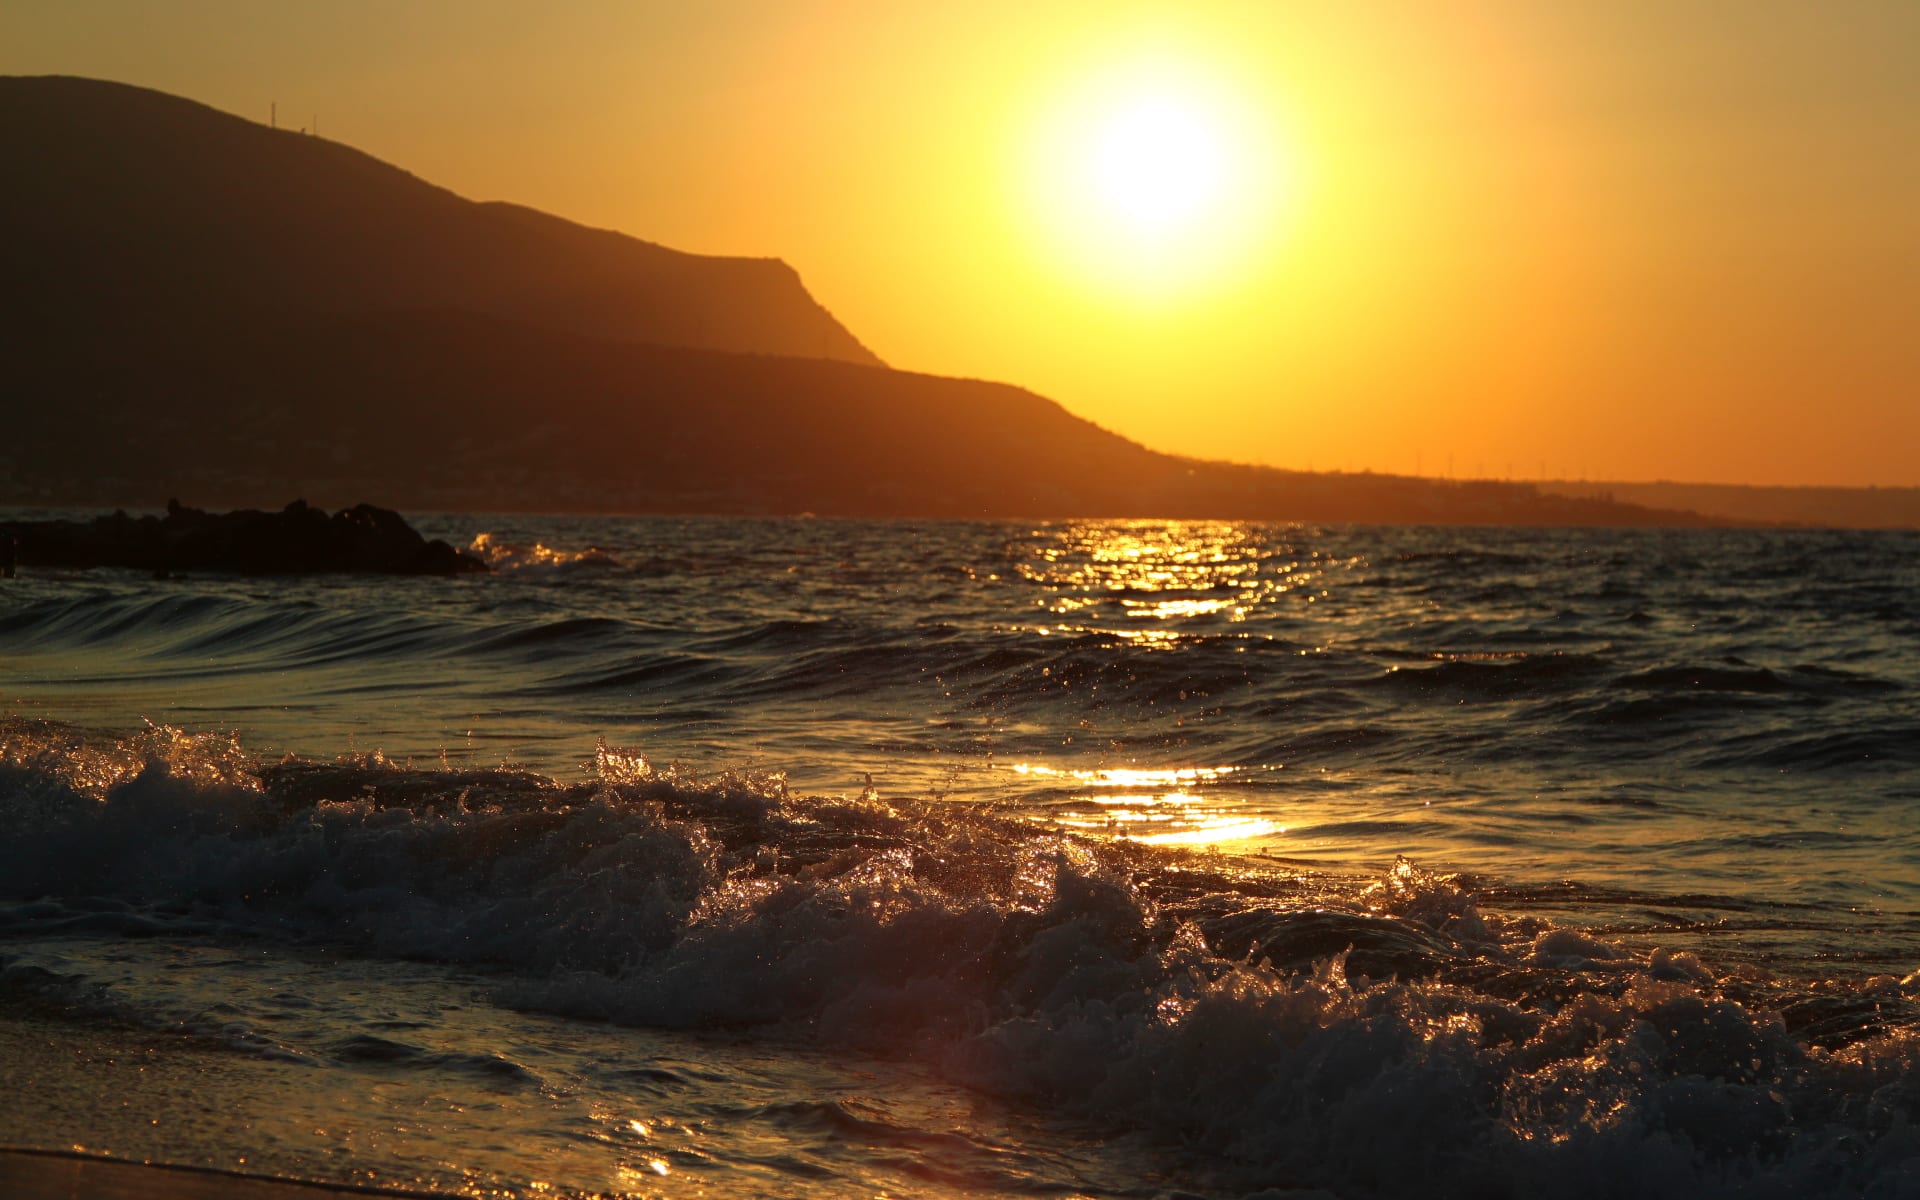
{"x": 1163, "y": 800}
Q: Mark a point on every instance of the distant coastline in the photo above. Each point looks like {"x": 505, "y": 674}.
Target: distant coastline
{"x": 1389, "y": 499}
{"x": 207, "y": 308}
{"x": 1820, "y": 507}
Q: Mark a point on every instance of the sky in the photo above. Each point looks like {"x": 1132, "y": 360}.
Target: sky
{"x": 1649, "y": 239}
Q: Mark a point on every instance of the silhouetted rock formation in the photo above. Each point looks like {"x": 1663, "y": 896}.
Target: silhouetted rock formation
{"x": 122, "y": 204}
{"x": 296, "y": 540}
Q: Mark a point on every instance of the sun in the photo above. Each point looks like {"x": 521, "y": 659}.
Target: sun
{"x": 1157, "y": 163}
{"x": 1157, "y": 181}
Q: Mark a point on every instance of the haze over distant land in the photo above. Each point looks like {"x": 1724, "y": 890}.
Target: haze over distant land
{"x": 204, "y": 307}
{"x": 1844, "y": 508}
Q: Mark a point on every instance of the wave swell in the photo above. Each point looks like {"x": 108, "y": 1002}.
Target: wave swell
{"x": 1288, "y": 1028}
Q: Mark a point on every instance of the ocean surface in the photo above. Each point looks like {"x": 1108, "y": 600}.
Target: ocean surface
{"x": 853, "y": 858}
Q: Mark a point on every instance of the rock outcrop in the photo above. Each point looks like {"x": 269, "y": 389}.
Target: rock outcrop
{"x": 297, "y": 540}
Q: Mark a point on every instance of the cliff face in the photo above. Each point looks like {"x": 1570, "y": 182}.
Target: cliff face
{"x": 134, "y": 205}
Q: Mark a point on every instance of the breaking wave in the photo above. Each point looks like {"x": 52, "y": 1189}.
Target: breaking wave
{"x": 1284, "y": 1027}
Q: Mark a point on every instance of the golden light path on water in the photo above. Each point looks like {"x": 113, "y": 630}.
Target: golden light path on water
{"x": 1158, "y": 808}
{"x": 1155, "y": 585}
{"x": 1114, "y": 578}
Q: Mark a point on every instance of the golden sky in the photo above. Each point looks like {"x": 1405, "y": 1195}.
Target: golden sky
{"x": 1630, "y": 240}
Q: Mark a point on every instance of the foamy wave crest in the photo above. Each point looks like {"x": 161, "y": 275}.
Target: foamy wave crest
{"x": 1286, "y": 1029}
{"x": 509, "y": 556}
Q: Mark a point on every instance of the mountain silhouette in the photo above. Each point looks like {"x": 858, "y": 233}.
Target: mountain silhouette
{"x": 198, "y": 305}
{"x": 130, "y": 203}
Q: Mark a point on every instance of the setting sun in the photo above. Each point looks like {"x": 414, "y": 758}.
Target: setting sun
{"x": 1157, "y": 178}
{"x": 1157, "y": 165}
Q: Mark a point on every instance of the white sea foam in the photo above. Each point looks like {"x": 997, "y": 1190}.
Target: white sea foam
{"x": 1285, "y": 1028}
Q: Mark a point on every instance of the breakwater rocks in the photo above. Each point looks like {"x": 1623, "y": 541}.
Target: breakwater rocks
{"x": 297, "y": 540}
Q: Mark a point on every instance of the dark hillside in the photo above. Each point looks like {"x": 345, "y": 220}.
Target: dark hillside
{"x": 199, "y": 306}
{"x": 458, "y": 411}
{"x": 126, "y": 204}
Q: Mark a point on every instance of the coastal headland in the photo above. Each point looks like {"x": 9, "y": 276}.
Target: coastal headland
{"x": 204, "y": 305}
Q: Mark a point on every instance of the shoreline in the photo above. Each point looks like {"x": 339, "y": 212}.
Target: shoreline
{"x": 34, "y": 1174}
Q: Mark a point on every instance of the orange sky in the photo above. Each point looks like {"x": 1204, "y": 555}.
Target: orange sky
{"x": 1631, "y": 241}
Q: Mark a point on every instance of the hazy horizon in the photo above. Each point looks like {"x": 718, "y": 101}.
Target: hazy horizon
{"x": 1508, "y": 241}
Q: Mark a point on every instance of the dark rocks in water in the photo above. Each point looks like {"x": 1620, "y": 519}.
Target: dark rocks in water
{"x": 299, "y": 539}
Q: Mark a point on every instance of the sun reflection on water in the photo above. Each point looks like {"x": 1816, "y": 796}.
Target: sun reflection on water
{"x": 1161, "y": 585}
{"x": 1157, "y": 807}
{"x": 1113, "y": 577}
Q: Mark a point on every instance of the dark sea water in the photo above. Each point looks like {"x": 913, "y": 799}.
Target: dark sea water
{"x": 793, "y": 857}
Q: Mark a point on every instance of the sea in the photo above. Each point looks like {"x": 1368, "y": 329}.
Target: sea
{"x": 815, "y": 857}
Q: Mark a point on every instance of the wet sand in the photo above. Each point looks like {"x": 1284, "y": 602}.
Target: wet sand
{"x": 31, "y": 1175}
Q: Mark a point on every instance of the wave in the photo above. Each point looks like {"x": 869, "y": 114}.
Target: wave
{"x": 1884, "y": 746}
{"x": 1497, "y": 677}
{"x": 1363, "y": 1035}
{"x": 531, "y": 557}
{"x": 1739, "y": 676}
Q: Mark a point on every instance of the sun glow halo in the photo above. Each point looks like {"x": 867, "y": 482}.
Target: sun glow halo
{"x": 1154, "y": 179}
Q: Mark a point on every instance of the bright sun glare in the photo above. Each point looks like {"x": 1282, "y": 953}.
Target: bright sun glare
{"x": 1155, "y": 180}
{"x": 1158, "y": 163}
